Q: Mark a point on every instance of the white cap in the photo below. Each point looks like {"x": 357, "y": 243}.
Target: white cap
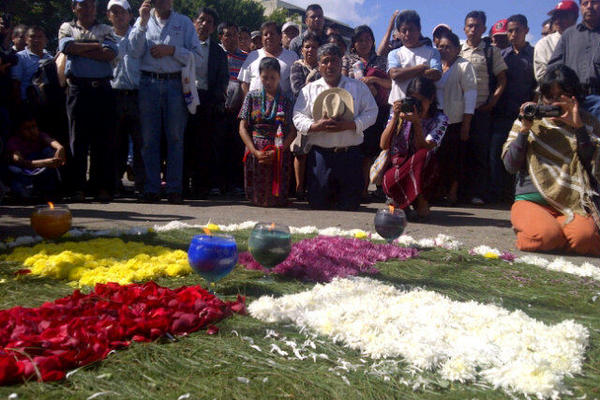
{"x": 290, "y": 24}
{"x": 122, "y": 3}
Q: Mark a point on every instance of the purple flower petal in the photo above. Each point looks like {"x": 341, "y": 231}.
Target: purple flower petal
{"x": 323, "y": 258}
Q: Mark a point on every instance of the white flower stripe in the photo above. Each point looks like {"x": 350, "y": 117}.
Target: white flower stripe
{"x": 462, "y": 341}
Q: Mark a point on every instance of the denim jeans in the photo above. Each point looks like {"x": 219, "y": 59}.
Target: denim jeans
{"x": 162, "y": 108}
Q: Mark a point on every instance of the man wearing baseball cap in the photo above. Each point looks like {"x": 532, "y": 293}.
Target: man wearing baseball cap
{"x": 499, "y": 34}
{"x": 289, "y": 31}
{"x": 125, "y": 85}
{"x": 563, "y": 16}
{"x": 90, "y": 48}
{"x": 578, "y": 49}
{"x": 255, "y": 40}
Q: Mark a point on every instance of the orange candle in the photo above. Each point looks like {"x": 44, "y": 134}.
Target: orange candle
{"x": 51, "y": 222}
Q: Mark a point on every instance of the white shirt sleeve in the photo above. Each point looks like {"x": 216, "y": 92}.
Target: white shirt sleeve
{"x": 303, "y": 111}
{"x": 366, "y": 113}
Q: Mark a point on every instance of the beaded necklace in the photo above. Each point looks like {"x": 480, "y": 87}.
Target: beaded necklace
{"x": 263, "y": 106}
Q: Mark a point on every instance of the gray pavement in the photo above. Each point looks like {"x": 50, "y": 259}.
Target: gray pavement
{"x": 472, "y": 226}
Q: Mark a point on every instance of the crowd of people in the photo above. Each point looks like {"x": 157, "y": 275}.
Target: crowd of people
{"x": 187, "y": 109}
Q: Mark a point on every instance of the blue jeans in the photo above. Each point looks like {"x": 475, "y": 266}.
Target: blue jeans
{"x": 162, "y": 107}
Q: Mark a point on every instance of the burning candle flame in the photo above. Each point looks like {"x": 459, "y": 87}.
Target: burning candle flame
{"x": 272, "y": 226}
{"x": 51, "y": 205}
{"x": 391, "y": 207}
{"x": 207, "y": 231}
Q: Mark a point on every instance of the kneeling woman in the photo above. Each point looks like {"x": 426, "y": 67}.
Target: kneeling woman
{"x": 411, "y": 138}
{"x": 267, "y": 131}
{"x": 556, "y": 162}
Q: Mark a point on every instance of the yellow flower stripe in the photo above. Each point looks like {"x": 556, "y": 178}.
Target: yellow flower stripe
{"x": 101, "y": 260}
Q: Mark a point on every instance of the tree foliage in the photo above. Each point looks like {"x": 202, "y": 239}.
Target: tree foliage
{"x": 51, "y": 13}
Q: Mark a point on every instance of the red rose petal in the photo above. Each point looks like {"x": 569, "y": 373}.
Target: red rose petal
{"x": 81, "y": 329}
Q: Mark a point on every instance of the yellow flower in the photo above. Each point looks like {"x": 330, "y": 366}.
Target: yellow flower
{"x": 360, "y": 235}
{"x": 213, "y": 227}
{"x": 489, "y": 254}
{"x": 101, "y": 260}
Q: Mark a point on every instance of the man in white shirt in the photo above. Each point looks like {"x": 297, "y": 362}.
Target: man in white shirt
{"x": 415, "y": 58}
{"x": 334, "y": 165}
{"x": 564, "y": 15}
{"x": 271, "y": 38}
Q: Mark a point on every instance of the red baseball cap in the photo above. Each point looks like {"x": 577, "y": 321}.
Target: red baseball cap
{"x": 567, "y": 5}
{"x": 499, "y": 28}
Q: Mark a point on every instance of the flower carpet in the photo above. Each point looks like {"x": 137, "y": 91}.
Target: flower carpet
{"x": 422, "y": 318}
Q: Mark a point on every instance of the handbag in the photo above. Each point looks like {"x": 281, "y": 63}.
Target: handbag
{"x": 380, "y": 165}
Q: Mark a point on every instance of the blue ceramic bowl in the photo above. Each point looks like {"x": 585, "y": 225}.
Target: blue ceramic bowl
{"x": 212, "y": 256}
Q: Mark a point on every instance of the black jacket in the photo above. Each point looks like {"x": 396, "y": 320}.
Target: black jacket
{"x": 218, "y": 76}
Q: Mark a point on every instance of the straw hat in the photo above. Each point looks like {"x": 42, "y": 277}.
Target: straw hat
{"x": 336, "y": 102}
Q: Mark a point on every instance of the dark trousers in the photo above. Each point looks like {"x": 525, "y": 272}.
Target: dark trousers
{"x": 91, "y": 112}
{"x": 477, "y": 159}
{"x": 128, "y": 128}
{"x": 499, "y": 182}
{"x": 334, "y": 179}
{"x": 204, "y": 147}
{"x": 233, "y": 152}
{"x": 451, "y": 159}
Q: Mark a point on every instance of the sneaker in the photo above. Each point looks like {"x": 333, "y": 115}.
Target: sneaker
{"x": 477, "y": 201}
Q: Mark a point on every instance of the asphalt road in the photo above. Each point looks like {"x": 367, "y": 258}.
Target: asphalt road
{"x": 472, "y": 226}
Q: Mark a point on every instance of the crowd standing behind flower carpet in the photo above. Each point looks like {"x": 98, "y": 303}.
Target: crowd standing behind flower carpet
{"x": 190, "y": 108}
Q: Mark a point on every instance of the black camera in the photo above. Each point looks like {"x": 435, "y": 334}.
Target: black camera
{"x": 539, "y": 111}
{"x": 409, "y": 103}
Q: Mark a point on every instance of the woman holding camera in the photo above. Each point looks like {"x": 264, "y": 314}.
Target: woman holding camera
{"x": 415, "y": 129}
{"x": 557, "y": 162}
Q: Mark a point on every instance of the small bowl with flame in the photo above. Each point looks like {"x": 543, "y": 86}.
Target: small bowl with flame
{"x": 390, "y": 223}
{"x": 51, "y": 221}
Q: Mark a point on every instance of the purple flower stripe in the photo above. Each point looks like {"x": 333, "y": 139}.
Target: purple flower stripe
{"x": 323, "y": 258}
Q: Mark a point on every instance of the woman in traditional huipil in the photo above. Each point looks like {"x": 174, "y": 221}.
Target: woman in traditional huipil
{"x": 267, "y": 132}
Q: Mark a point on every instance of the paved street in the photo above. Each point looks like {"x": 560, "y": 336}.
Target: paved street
{"x": 472, "y": 226}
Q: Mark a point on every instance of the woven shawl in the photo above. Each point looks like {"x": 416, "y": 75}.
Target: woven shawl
{"x": 555, "y": 168}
